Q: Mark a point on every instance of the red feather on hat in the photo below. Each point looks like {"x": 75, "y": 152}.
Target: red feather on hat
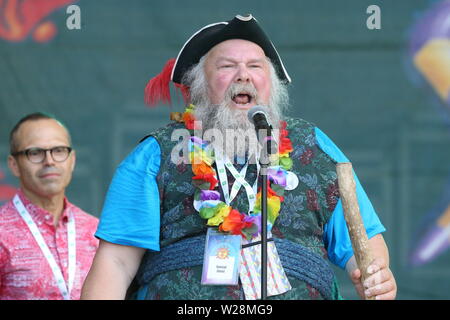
{"x": 158, "y": 89}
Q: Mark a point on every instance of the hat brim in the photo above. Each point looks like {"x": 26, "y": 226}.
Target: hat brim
{"x": 246, "y": 28}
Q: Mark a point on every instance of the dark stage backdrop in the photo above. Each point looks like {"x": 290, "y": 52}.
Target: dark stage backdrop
{"x": 360, "y": 86}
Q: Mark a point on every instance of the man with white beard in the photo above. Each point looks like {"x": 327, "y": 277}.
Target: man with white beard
{"x": 189, "y": 227}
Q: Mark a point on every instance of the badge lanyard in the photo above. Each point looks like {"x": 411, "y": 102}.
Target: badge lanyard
{"x": 239, "y": 181}
{"x": 65, "y": 291}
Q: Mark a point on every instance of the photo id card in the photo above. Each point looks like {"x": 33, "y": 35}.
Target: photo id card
{"x": 222, "y": 258}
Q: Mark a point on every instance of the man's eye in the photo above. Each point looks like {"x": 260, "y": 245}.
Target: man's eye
{"x": 34, "y": 152}
{"x": 58, "y": 150}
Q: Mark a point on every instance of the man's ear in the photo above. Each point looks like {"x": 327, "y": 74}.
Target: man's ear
{"x": 74, "y": 160}
{"x": 13, "y": 166}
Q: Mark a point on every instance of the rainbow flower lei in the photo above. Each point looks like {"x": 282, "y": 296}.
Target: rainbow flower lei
{"x": 207, "y": 197}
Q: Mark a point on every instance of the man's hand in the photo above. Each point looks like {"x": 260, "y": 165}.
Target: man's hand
{"x": 380, "y": 284}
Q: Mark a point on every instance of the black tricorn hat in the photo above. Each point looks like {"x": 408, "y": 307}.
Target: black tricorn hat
{"x": 240, "y": 27}
{"x": 246, "y": 28}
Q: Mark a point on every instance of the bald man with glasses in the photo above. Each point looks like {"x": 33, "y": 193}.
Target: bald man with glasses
{"x": 46, "y": 243}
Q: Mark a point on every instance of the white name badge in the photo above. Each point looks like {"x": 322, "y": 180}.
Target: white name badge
{"x": 222, "y": 258}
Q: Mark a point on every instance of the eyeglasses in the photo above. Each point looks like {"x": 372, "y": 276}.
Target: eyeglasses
{"x": 37, "y": 155}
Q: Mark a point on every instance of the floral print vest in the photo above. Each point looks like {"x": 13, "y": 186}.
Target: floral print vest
{"x": 304, "y": 212}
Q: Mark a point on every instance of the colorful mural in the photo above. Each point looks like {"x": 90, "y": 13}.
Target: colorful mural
{"x": 430, "y": 52}
{"x": 20, "y": 19}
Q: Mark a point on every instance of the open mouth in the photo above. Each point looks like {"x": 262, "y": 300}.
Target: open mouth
{"x": 242, "y": 98}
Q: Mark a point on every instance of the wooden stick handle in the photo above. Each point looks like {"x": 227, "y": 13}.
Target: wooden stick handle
{"x": 358, "y": 235}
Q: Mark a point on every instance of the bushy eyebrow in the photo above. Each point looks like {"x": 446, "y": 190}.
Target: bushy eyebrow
{"x": 225, "y": 59}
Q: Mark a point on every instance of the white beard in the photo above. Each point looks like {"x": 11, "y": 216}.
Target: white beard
{"x": 234, "y": 135}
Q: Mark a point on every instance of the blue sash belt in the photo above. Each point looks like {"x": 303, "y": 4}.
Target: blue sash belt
{"x": 297, "y": 261}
